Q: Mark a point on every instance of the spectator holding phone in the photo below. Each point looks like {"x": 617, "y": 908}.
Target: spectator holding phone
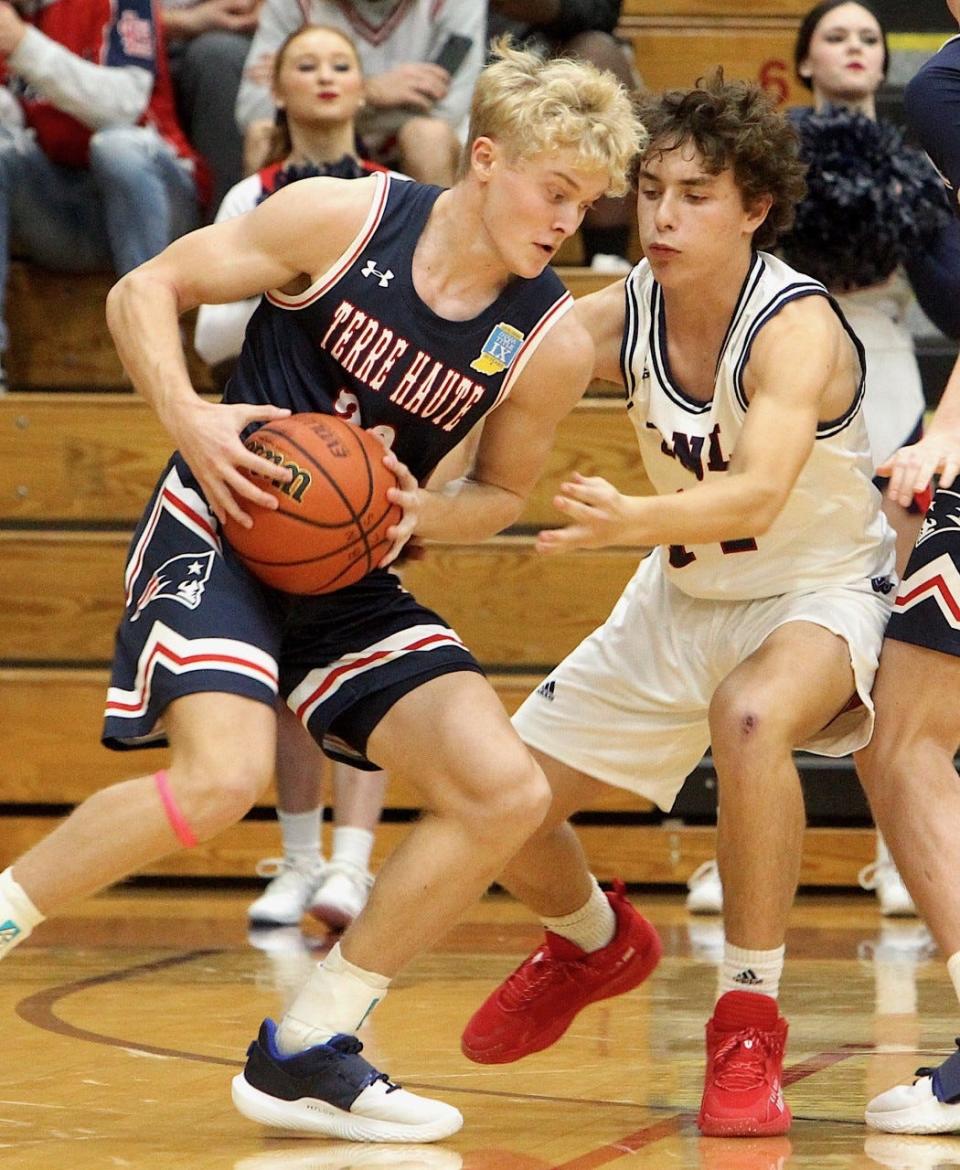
{"x": 207, "y": 46}
{"x": 420, "y": 60}
{"x": 584, "y": 29}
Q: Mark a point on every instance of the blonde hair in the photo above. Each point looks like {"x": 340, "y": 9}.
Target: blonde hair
{"x": 534, "y": 106}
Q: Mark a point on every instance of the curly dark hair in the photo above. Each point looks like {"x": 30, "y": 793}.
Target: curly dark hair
{"x": 735, "y": 125}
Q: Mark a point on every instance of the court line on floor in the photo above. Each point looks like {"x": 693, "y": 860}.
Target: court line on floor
{"x": 39, "y": 1009}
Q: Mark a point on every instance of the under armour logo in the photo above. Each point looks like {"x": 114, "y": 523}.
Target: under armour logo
{"x": 371, "y": 269}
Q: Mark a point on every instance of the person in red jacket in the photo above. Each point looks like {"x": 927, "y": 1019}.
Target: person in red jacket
{"x": 95, "y": 172}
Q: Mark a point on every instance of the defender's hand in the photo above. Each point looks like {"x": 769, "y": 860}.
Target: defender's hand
{"x": 597, "y": 512}
{"x": 911, "y": 468}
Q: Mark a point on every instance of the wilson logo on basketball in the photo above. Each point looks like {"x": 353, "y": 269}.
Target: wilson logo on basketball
{"x": 298, "y": 487}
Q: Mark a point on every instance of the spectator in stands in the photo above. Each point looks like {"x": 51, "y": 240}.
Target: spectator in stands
{"x": 317, "y": 91}
{"x": 207, "y": 45}
{"x": 333, "y": 891}
{"x": 874, "y": 225}
{"x": 100, "y": 175}
{"x": 585, "y": 29}
{"x": 415, "y": 108}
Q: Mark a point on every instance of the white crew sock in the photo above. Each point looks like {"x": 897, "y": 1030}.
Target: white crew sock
{"x": 18, "y": 915}
{"x": 336, "y": 998}
{"x": 953, "y": 970}
{"x": 744, "y": 970}
{"x": 352, "y": 847}
{"x": 592, "y": 926}
{"x": 300, "y": 833}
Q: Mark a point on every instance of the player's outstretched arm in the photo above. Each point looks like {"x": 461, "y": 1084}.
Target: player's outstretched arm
{"x": 291, "y": 237}
{"x": 793, "y": 364}
{"x": 514, "y": 444}
{"x": 938, "y": 453}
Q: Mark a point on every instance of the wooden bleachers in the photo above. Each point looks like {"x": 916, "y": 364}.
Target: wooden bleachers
{"x": 78, "y": 456}
{"x": 676, "y": 42}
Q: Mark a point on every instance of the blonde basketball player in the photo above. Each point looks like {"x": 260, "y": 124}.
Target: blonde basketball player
{"x": 416, "y": 311}
{"x": 753, "y": 626}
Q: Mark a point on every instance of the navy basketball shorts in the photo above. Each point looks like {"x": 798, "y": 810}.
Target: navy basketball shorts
{"x": 196, "y": 621}
{"x": 927, "y": 608}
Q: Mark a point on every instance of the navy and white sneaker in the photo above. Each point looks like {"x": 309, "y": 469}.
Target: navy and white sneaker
{"x": 930, "y": 1105}
{"x": 331, "y": 1090}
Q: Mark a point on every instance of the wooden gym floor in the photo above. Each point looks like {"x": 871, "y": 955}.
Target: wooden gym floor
{"x": 124, "y": 1022}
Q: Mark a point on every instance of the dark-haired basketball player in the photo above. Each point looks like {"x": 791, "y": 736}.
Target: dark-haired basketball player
{"x": 754, "y": 626}
{"x": 908, "y": 768}
{"x": 416, "y": 312}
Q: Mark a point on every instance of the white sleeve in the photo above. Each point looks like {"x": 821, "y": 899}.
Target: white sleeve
{"x": 96, "y": 95}
{"x": 220, "y": 328}
{"x": 278, "y": 19}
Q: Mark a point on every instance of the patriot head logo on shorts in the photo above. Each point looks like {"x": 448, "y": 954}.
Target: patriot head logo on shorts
{"x": 179, "y": 579}
{"x": 932, "y": 523}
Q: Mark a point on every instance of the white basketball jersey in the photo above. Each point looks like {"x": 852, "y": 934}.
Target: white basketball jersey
{"x": 831, "y": 530}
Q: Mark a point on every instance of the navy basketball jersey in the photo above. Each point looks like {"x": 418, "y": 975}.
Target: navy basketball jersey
{"x": 360, "y": 343}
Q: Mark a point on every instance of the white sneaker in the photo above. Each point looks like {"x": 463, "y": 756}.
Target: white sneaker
{"x": 912, "y": 1153}
{"x": 610, "y": 262}
{"x": 916, "y": 1108}
{"x": 884, "y": 878}
{"x": 331, "y": 1091}
{"x": 286, "y": 897}
{"x": 706, "y": 892}
{"x": 341, "y": 895}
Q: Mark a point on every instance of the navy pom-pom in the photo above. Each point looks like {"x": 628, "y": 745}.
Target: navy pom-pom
{"x": 871, "y": 200}
{"x": 345, "y": 168}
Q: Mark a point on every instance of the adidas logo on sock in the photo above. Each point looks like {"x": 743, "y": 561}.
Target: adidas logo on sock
{"x": 546, "y": 689}
{"x": 749, "y": 977}
{"x": 8, "y": 931}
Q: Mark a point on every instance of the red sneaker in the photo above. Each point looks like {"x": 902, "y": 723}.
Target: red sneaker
{"x": 742, "y": 1095}
{"x": 535, "y": 1005}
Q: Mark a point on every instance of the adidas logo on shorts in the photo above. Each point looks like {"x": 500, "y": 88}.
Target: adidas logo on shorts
{"x": 546, "y": 690}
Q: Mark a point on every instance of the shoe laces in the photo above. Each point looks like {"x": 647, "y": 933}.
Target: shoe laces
{"x": 928, "y": 1072}
{"x": 284, "y": 872}
{"x": 705, "y": 872}
{"x": 740, "y": 1061}
{"x": 877, "y": 871}
{"x": 347, "y": 1045}
{"x": 533, "y": 977}
{"x": 353, "y": 873}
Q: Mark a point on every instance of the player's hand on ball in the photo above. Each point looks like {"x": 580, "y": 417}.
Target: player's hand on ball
{"x": 407, "y": 496}
{"x": 596, "y": 511}
{"x": 911, "y": 468}
{"x": 208, "y": 437}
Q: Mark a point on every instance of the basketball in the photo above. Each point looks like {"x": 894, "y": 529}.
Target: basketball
{"x": 329, "y": 527}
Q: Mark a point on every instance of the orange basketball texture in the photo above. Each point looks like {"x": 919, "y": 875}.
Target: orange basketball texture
{"x": 329, "y": 528}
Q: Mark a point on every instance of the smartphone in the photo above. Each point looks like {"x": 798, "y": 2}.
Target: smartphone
{"x": 453, "y": 51}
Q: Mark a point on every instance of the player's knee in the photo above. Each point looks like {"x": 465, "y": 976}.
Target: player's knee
{"x": 740, "y": 722}
{"x": 509, "y": 810}
{"x": 215, "y": 796}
